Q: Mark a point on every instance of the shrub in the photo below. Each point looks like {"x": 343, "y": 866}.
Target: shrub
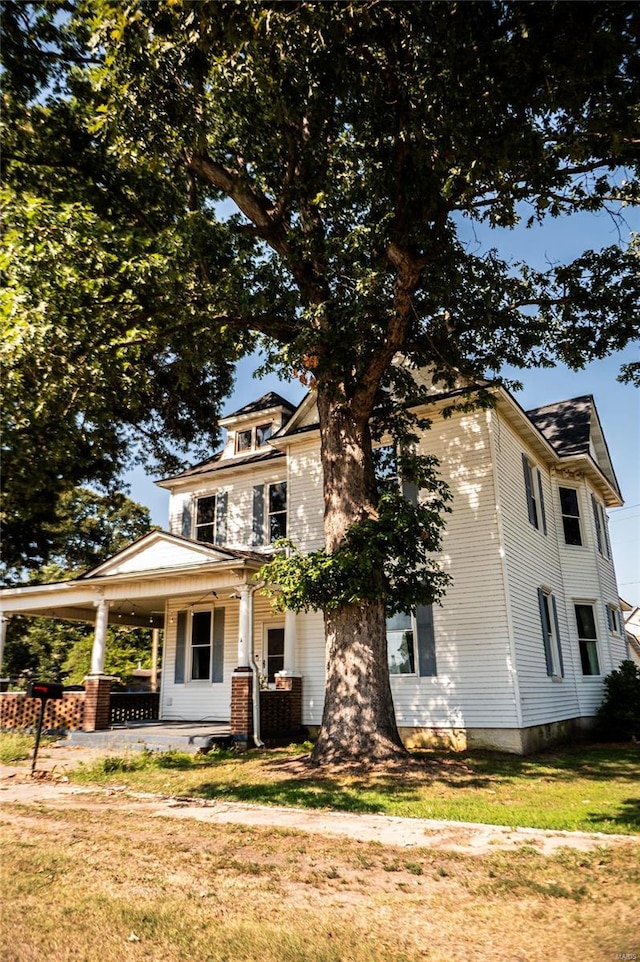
{"x": 619, "y": 714}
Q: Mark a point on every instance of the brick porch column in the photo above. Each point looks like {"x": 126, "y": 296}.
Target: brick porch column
{"x": 242, "y": 707}
{"x": 97, "y": 703}
{"x": 293, "y": 684}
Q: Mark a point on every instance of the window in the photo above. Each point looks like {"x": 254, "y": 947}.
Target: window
{"x": 199, "y": 646}
{"x": 272, "y": 499}
{"x": 274, "y": 660}
{"x": 243, "y": 441}
{"x": 550, "y": 633}
{"x": 211, "y": 518}
{"x": 587, "y": 639}
{"x": 614, "y": 619}
{"x": 277, "y": 511}
{"x": 600, "y": 520}
{"x": 535, "y": 499}
{"x": 570, "y": 515}
{"x": 385, "y": 466}
{"x": 400, "y": 649}
{"x": 263, "y": 433}
{"x": 411, "y": 643}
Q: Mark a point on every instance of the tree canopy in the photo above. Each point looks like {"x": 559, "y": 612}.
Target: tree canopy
{"x": 187, "y": 181}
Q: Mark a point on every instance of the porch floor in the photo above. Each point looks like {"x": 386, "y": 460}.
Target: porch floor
{"x": 158, "y": 736}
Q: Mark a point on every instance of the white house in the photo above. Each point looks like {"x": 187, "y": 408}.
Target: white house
{"x": 513, "y": 658}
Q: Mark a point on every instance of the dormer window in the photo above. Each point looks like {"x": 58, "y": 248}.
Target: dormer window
{"x": 253, "y": 438}
{"x": 263, "y": 433}
{"x": 243, "y": 441}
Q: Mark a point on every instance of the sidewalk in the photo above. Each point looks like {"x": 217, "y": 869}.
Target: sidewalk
{"x": 51, "y": 788}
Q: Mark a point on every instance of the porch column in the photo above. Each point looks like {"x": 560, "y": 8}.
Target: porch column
{"x": 155, "y": 643}
{"x": 244, "y": 634}
{"x": 290, "y": 642}
{"x": 4, "y": 621}
{"x": 100, "y": 638}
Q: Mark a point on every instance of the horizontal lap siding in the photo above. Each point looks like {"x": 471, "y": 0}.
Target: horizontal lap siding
{"x": 533, "y": 560}
{"x": 305, "y": 528}
{"x": 195, "y": 700}
{"x": 306, "y": 501}
{"x": 474, "y": 685}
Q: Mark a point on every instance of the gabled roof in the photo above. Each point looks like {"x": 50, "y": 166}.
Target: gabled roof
{"x": 264, "y": 403}
{"x": 573, "y": 429}
{"x": 161, "y": 549}
{"x": 566, "y": 424}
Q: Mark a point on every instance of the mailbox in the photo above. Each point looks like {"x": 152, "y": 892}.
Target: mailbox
{"x": 44, "y": 690}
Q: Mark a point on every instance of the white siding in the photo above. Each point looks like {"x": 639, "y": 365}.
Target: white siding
{"x": 572, "y": 573}
{"x": 197, "y": 700}
{"x": 306, "y": 503}
{"x": 474, "y": 685}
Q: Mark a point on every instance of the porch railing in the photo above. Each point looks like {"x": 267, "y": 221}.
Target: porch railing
{"x": 134, "y": 706}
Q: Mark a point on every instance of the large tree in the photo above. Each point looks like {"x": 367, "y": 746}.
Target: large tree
{"x": 87, "y": 529}
{"x": 355, "y": 142}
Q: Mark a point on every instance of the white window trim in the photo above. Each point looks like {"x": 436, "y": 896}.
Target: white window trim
{"x": 614, "y": 620}
{"x": 414, "y": 632}
{"x": 189, "y": 679}
{"x": 266, "y": 628}
{"x": 269, "y": 514}
{"x": 591, "y": 603}
{"x": 565, "y": 543}
{"x": 554, "y": 640}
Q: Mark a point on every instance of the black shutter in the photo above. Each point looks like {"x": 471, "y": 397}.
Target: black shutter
{"x": 181, "y": 646}
{"x": 258, "y": 515}
{"x": 596, "y": 518}
{"x": 221, "y": 517}
{"x": 217, "y": 645}
{"x": 557, "y": 627}
{"x": 542, "y": 511}
{"x": 531, "y": 508}
{"x": 546, "y": 628}
{"x": 186, "y": 520}
{"x": 426, "y": 641}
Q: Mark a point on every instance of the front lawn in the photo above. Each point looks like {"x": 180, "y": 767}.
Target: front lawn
{"x": 591, "y": 789}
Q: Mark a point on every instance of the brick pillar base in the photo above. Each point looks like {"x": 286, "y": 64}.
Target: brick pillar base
{"x": 242, "y": 708}
{"x": 97, "y": 703}
{"x": 292, "y": 683}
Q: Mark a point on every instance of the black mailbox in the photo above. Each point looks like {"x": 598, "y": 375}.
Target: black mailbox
{"x": 44, "y": 690}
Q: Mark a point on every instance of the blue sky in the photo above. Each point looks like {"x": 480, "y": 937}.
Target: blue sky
{"x": 618, "y": 405}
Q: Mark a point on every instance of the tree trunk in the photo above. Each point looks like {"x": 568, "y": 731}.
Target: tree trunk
{"x": 359, "y": 718}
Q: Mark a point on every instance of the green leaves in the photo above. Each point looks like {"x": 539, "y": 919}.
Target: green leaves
{"x": 391, "y": 558}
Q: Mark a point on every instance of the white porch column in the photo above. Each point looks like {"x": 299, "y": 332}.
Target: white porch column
{"x": 4, "y": 621}
{"x": 100, "y": 638}
{"x": 244, "y": 633}
{"x": 290, "y": 642}
{"x": 155, "y": 643}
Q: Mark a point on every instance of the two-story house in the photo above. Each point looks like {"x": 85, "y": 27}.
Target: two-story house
{"x": 514, "y": 657}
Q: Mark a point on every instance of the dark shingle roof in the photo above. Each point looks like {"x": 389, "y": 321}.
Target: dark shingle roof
{"x": 270, "y": 400}
{"x": 566, "y": 425}
{"x": 216, "y": 463}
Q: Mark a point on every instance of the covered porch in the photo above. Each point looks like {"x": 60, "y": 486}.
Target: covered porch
{"x": 154, "y": 583}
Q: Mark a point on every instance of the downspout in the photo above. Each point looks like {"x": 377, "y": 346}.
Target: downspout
{"x": 255, "y": 690}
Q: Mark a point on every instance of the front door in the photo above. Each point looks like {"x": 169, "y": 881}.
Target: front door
{"x": 274, "y": 653}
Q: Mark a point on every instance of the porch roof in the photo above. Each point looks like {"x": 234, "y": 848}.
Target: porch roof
{"x": 137, "y": 581}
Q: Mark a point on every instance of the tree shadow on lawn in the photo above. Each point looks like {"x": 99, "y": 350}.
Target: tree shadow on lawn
{"x": 627, "y": 816}
{"x": 292, "y": 780}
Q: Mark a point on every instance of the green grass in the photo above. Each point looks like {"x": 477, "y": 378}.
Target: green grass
{"x": 17, "y": 746}
{"x": 591, "y": 789}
